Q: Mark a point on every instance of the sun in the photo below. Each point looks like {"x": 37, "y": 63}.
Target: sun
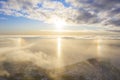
{"x": 59, "y": 23}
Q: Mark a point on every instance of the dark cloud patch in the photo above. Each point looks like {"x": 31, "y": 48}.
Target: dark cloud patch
{"x": 116, "y": 11}
{"x": 114, "y": 30}
{"x": 86, "y": 17}
{"x": 106, "y": 4}
{"x": 115, "y": 22}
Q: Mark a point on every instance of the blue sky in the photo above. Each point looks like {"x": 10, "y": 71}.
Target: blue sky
{"x": 20, "y": 16}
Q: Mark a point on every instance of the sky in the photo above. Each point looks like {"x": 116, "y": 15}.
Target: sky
{"x": 20, "y": 16}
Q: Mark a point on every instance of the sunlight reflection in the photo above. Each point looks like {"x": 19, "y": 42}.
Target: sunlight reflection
{"x": 59, "y": 47}
{"x": 20, "y": 42}
{"x": 59, "y": 53}
{"x": 99, "y": 47}
{"x": 59, "y": 61}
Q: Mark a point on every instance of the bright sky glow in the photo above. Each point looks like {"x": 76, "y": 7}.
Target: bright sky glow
{"x": 58, "y": 23}
{"x": 21, "y": 16}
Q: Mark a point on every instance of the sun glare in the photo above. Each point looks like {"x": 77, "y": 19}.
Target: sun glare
{"x": 59, "y": 23}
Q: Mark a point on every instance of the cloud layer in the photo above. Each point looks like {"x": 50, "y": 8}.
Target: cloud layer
{"x": 90, "y": 12}
{"x": 27, "y": 53}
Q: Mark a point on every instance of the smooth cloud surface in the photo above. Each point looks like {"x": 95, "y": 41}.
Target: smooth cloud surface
{"x": 90, "y": 12}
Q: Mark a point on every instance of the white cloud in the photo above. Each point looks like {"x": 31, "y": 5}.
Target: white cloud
{"x": 89, "y": 12}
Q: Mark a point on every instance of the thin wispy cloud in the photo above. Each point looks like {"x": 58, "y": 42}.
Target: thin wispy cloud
{"x": 104, "y": 13}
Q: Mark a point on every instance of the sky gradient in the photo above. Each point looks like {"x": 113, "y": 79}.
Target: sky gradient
{"x": 20, "y": 16}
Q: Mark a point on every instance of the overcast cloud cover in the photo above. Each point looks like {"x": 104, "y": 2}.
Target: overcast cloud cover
{"x": 104, "y": 13}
